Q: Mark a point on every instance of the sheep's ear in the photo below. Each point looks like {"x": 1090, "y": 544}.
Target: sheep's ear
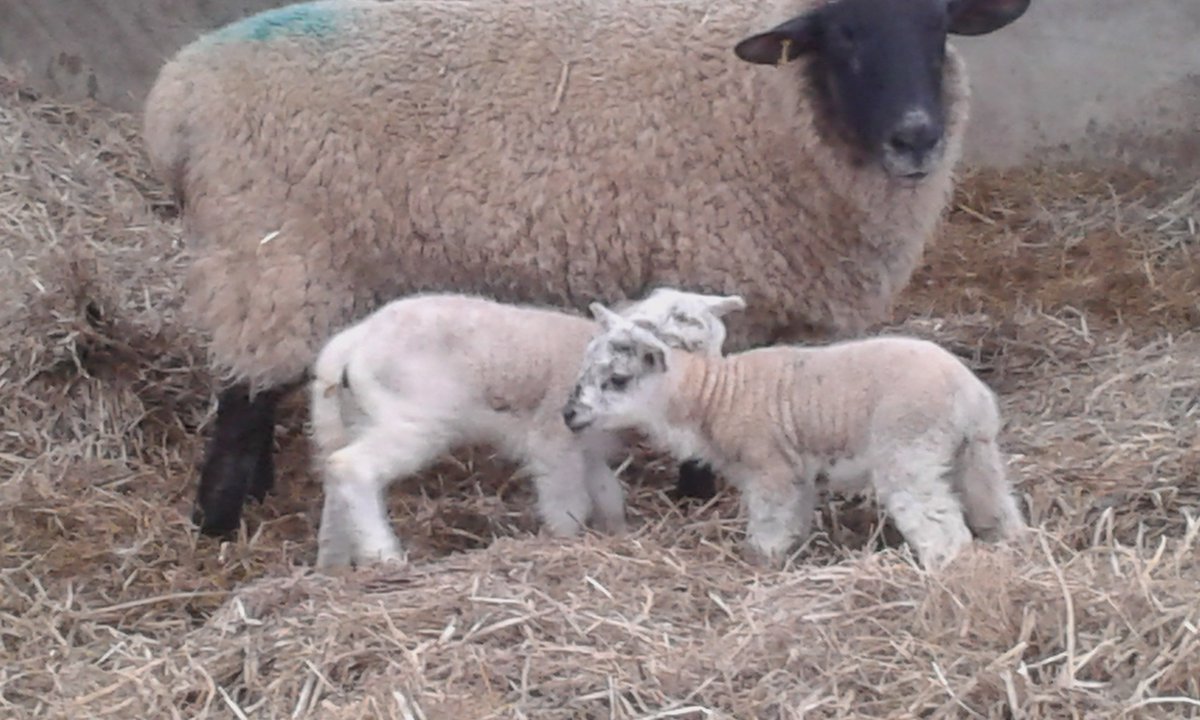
{"x": 720, "y": 306}
{"x": 607, "y": 318}
{"x": 980, "y": 17}
{"x": 782, "y": 43}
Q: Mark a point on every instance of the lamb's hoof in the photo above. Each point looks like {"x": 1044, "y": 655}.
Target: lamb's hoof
{"x": 562, "y": 529}
{"x": 615, "y": 525}
{"x": 332, "y": 561}
{"x": 936, "y": 561}
{"x": 381, "y": 561}
{"x": 763, "y": 559}
{"x": 614, "y": 529}
{"x": 337, "y": 568}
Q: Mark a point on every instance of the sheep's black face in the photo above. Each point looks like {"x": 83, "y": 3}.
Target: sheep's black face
{"x": 878, "y": 69}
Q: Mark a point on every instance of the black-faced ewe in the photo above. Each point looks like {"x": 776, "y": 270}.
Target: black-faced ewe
{"x": 428, "y": 373}
{"x": 898, "y": 415}
{"x": 331, "y": 156}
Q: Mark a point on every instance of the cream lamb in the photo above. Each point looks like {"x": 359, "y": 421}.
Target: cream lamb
{"x": 899, "y": 415}
{"x": 333, "y": 155}
{"x": 427, "y": 373}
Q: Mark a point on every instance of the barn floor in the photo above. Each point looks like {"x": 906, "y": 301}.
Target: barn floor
{"x": 1072, "y": 293}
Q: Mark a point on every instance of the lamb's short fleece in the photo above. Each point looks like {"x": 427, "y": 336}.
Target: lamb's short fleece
{"x": 897, "y": 414}
{"x": 428, "y": 373}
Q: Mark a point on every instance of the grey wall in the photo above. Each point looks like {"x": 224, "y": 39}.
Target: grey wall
{"x": 1107, "y": 79}
{"x": 109, "y": 50}
{"x": 1090, "y": 79}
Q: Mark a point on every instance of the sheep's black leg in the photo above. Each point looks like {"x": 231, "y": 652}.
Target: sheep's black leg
{"x": 238, "y": 461}
{"x": 696, "y": 480}
{"x": 263, "y": 480}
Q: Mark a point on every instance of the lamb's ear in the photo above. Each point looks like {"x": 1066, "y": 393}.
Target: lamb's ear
{"x": 607, "y": 318}
{"x": 783, "y": 43}
{"x": 720, "y": 306}
{"x": 654, "y": 358}
{"x": 980, "y": 17}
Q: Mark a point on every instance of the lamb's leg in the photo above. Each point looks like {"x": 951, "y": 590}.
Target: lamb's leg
{"x": 238, "y": 460}
{"x": 335, "y": 545}
{"x": 608, "y": 499}
{"x": 780, "y": 507}
{"x": 358, "y": 476}
{"x": 913, "y": 484}
{"x": 696, "y": 480}
{"x": 987, "y": 495}
{"x": 560, "y": 475}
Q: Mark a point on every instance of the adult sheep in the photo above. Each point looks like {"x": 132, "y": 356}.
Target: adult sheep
{"x": 330, "y": 156}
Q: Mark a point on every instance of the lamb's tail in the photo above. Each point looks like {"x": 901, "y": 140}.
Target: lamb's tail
{"x": 332, "y": 401}
{"x": 982, "y": 476}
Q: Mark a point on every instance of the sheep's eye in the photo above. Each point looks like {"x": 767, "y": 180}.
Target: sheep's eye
{"x": 843, "y": 40}
{"x": 617, "y": 382}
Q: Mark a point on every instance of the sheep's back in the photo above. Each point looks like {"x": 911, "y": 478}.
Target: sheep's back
{"x": 336, "y": 154}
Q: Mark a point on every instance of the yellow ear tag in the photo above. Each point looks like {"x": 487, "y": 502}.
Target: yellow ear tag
{"x": 783, "y": 51}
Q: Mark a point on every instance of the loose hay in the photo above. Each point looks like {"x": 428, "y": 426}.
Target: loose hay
{"x": 1072, "y": 292}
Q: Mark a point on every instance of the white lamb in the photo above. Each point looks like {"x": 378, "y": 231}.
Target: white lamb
{"x": 428, "y": 373}
{"x": 900, "y": 415}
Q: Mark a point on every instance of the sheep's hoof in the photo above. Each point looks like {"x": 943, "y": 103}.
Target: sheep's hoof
{"x": 696, "y": 481}
{"x": 219, "y": 531}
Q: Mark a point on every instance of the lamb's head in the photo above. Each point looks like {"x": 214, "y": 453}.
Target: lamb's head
{"x": 685, "y": 320}
{"x": 621, "y": 383}
{"x": 877, "y": 67}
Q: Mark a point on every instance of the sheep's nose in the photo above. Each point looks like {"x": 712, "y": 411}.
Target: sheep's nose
{"x": 915, "y": 137}
{"x": 568, "y": 414}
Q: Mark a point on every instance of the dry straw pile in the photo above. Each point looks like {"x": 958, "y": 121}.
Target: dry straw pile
{"x": 1072, "y": 293}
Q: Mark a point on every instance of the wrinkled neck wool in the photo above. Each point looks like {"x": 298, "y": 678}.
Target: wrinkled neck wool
{"x": 700, "y": 390}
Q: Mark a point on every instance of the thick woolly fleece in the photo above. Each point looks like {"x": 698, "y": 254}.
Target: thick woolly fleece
{"x": 331, "y": 156}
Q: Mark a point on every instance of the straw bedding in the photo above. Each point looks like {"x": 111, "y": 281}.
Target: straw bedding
{"x": 1072, "y": 292}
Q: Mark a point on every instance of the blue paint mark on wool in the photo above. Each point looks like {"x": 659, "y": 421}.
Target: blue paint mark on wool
{"x": 304, "y": 20}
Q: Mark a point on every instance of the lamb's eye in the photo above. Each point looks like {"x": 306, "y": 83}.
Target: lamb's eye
{"x": 617, "y": 382}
